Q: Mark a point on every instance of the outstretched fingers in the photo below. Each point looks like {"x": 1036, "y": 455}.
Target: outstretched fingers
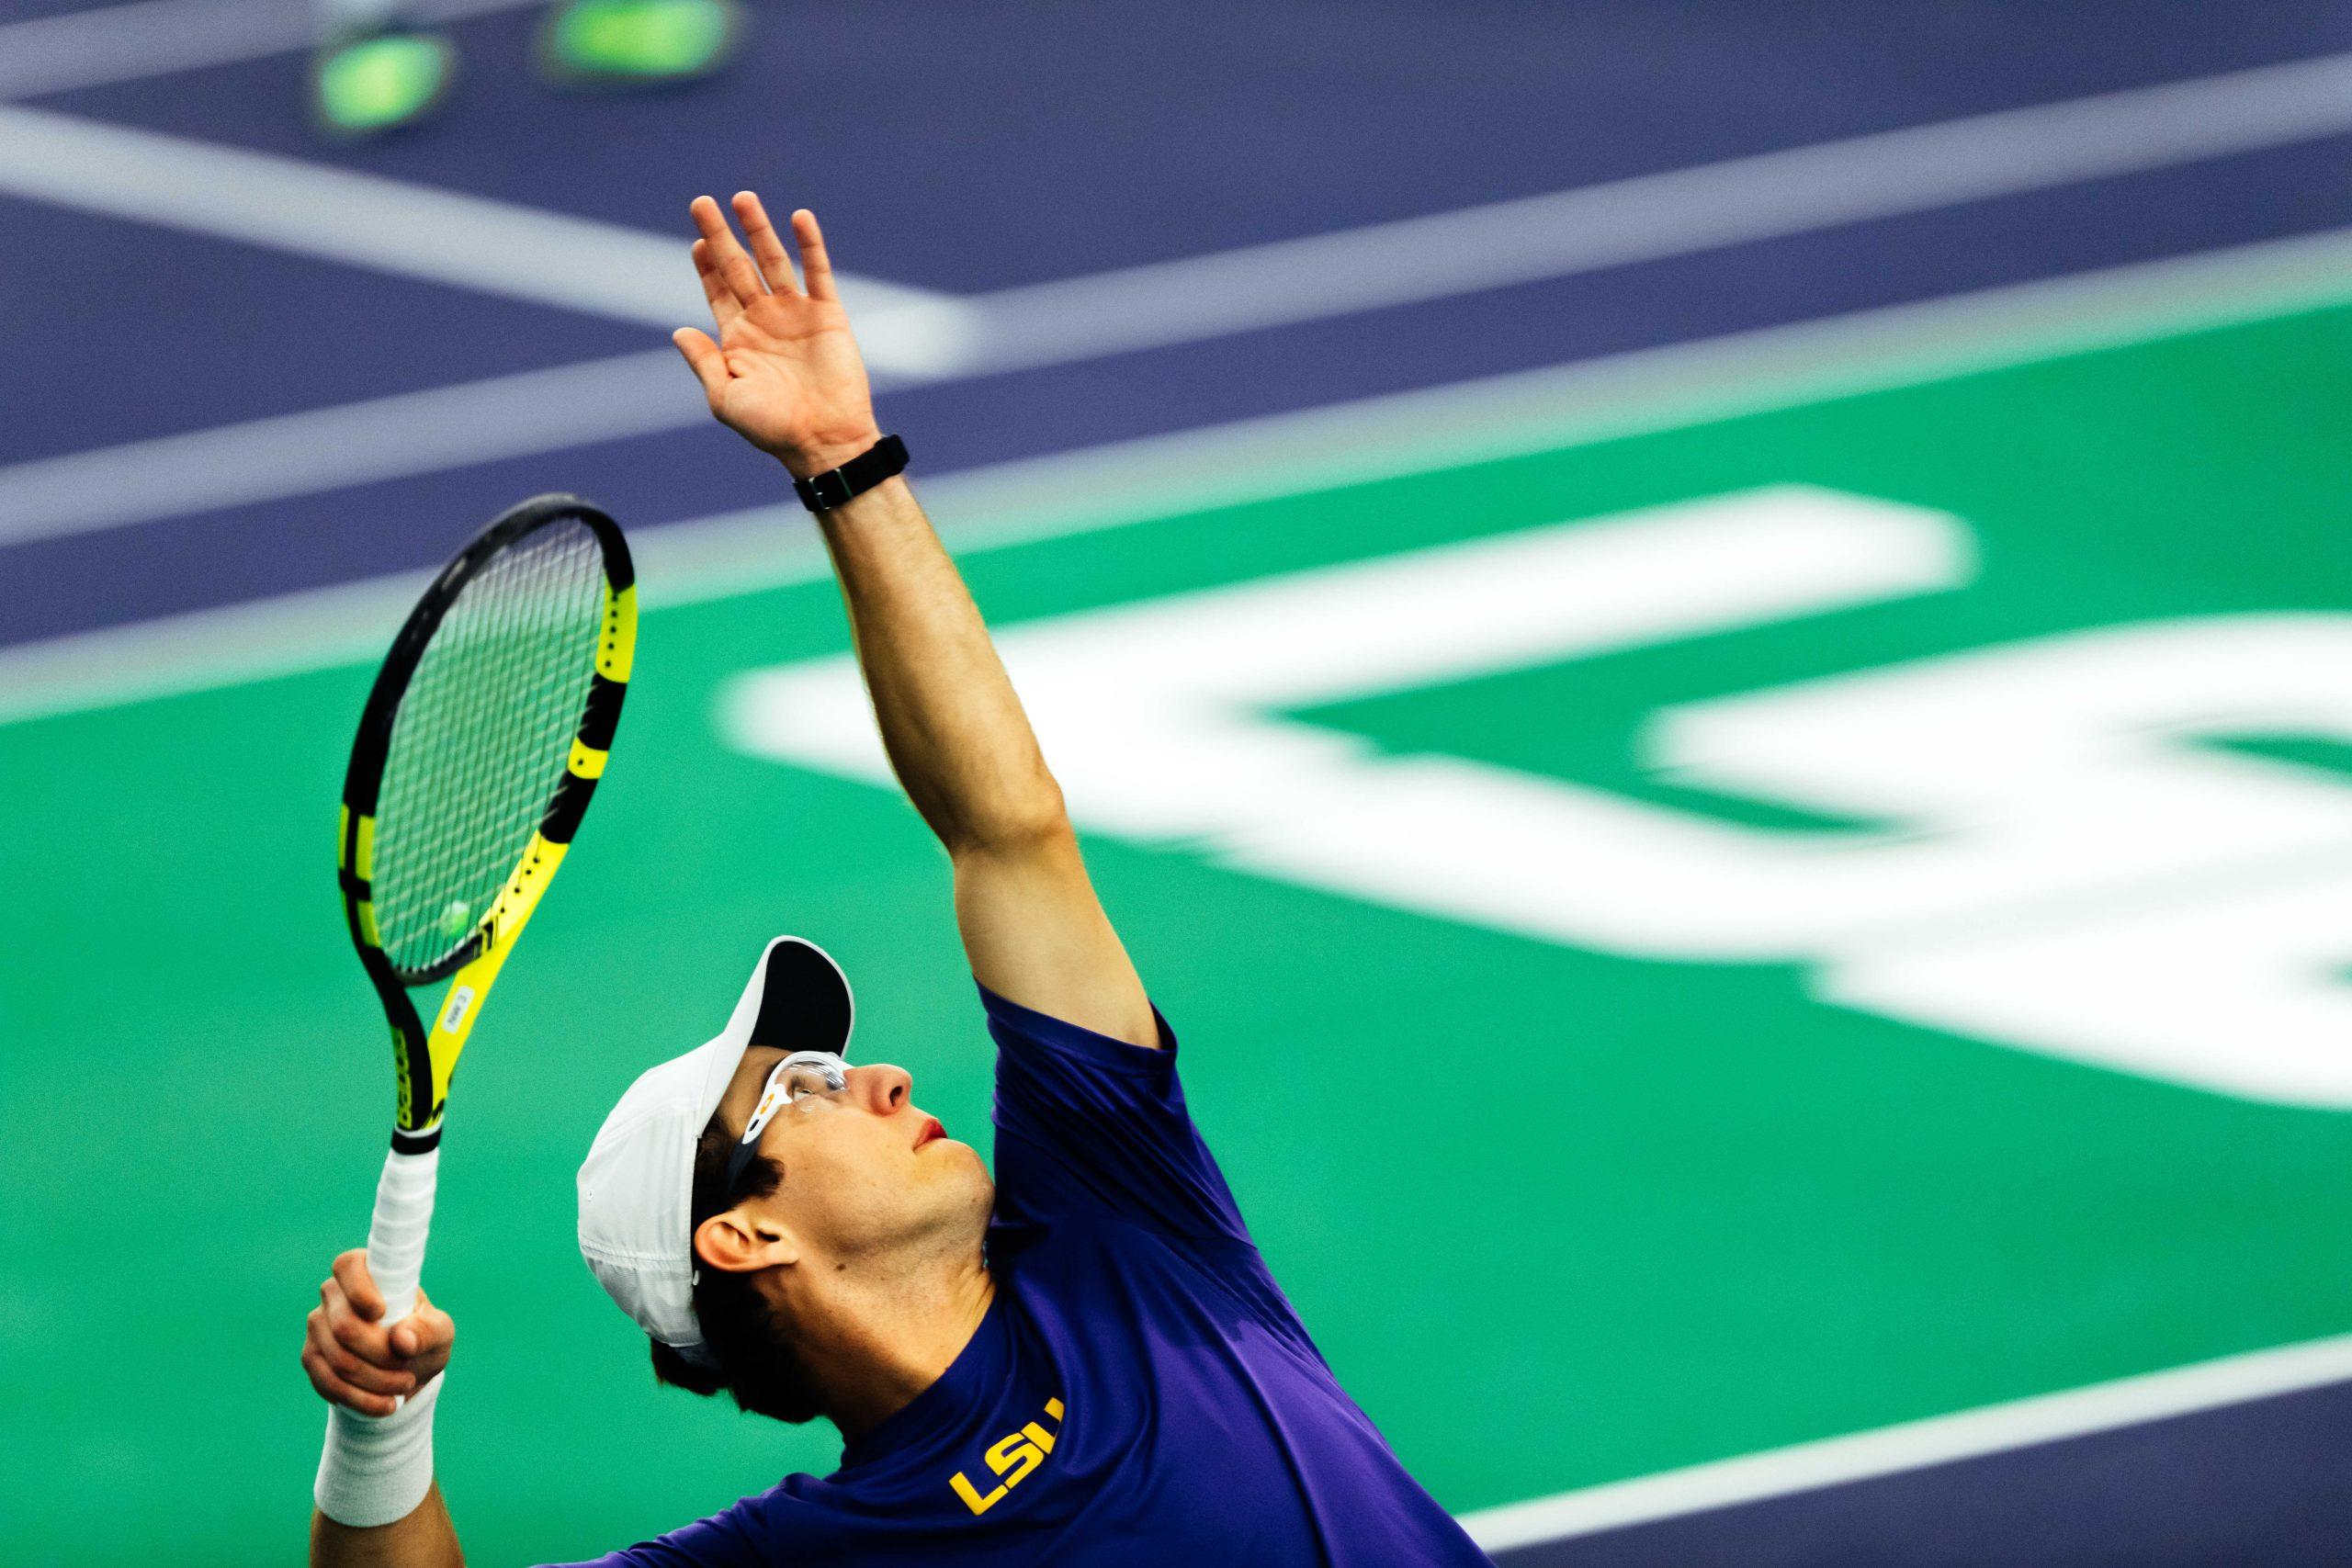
{"x": 741, "y": 277}
{"x": 813, "y": 259}
{"x": 767, "y": 247}
{"x": 724, "y": 307}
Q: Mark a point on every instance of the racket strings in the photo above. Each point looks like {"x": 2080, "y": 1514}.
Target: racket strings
{"x": 481, "y": 737}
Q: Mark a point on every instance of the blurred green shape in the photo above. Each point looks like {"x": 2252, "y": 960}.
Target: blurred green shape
{"x": 376, "y": 80}
{"x": 598, "y": 42}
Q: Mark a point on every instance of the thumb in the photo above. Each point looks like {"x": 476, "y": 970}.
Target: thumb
{"x": 702, "y": 358}
{"x": 425, "y": 1329}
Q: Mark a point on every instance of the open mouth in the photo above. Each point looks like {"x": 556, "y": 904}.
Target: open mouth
{"x": 931, "y": 1130}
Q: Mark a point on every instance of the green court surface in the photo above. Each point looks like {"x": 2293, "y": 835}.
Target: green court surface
{"x": 1560, "y": 1211}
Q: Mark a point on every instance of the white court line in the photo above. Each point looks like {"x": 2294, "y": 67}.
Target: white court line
{"x": 454, "y": 239}
{"x": 1651, "y": 217}
{"x": 1133, "y": 481}
{"x": 640, "y": 394}
{"x": 353, "y": 444}
{"x": 341, "y": 215}
{"x": 348, "y": 443}
{"x": 1915, "y": 1445}
{"x": 155, "y": 37}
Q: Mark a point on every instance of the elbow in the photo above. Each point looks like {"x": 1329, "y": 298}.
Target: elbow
{"x": 1035, "y": 819}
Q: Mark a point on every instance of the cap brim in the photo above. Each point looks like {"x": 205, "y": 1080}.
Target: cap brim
{"x": 796, "y": 1000}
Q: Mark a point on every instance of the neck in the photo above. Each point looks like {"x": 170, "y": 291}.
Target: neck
{"x": 875, "y": 1339}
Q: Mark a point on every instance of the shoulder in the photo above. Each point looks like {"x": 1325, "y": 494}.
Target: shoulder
{"x": 1015, "y": 1027}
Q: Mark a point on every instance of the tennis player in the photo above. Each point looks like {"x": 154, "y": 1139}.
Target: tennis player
{"x": 1083, "y": 1362}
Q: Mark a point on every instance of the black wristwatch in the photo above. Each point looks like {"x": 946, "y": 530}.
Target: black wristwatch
{"x": 823, "y": 492}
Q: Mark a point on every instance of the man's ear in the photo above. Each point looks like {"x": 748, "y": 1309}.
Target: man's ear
{"x": 738, "y": 1243}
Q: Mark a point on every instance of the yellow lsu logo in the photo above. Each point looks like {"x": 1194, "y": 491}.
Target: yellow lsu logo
{"x": 1012, "y": 1457}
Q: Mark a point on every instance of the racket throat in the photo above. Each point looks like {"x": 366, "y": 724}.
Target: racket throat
{"x": 407, "y": 1143}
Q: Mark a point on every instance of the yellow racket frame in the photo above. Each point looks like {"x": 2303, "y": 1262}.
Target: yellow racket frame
{"x": 426, "y": 1056}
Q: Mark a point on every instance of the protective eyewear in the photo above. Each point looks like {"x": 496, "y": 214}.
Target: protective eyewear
{"x": 804, "y": 1078}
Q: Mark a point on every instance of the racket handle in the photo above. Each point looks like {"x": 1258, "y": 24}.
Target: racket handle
{"x": 396, "y": 1234}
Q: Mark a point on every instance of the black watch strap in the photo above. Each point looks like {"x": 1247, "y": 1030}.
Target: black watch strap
{"x": 823, "y": 492}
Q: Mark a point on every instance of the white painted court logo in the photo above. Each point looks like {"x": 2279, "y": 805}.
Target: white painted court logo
{"x": 2073, "y": 875}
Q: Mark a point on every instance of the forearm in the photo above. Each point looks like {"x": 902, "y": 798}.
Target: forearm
{"x": 956, "y": 733}
{"x": 425, "y": 1539}
{"x": 786, "y": 375}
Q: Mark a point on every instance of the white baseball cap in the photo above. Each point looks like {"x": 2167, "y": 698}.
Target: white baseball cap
{"x": 637, "y": 1184}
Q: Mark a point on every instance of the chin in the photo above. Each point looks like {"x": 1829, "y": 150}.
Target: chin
{"x": 952, "y": 1172}
{"x": 981, "y": 1194}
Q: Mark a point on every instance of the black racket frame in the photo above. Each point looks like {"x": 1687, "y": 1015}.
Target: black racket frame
{"x": 371, "y": 749}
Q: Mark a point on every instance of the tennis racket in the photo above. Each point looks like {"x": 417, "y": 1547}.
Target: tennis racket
{"x": 480, "y": 745}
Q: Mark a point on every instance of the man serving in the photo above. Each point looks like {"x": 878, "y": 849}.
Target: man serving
{"x": 1083, "y": 1362}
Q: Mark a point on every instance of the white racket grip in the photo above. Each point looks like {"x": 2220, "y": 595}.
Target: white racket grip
{"x": 396, "y": 1235}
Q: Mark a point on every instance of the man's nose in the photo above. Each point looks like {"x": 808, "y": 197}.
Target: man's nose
{"x": 881, "y": 1089}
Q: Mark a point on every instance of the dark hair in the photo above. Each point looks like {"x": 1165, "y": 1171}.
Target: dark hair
{"x": 757, "y": 1363}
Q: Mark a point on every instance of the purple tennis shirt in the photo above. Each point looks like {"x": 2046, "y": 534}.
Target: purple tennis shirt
{"x": 1140, "y": 1393}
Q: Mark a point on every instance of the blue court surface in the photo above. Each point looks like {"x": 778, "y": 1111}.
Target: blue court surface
{"x": 2252, "y": 1483}
{"x": 255, "y": 379}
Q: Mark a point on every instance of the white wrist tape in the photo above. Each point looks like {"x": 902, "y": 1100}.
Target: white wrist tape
{"x": 377, "y": 1468}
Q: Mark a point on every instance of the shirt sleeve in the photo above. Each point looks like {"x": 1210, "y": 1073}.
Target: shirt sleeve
{"x": 1087, "y": 1125}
